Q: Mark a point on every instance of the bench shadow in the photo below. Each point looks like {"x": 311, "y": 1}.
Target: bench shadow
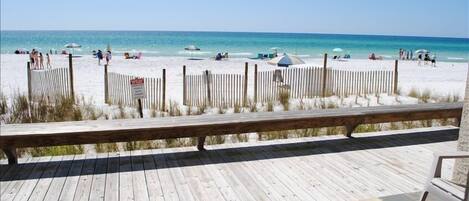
{"x": 217, "y": 156}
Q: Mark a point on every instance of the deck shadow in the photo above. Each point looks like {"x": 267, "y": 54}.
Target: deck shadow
{"x": 228, "y": 155}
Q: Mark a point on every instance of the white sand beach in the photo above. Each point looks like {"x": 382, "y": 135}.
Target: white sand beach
{"x": 445, "y": 79}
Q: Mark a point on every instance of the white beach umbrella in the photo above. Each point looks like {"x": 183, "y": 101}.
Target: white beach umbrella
{"x": 422, "y": 51}
{"x": 286, "y": 60}
{"x": 337, "y": 50}
{"x": 72, "y": 46}
{"x": 191, "y": 49}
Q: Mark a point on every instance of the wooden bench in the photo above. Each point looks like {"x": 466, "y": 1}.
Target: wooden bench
{"x": 14, "y": 136}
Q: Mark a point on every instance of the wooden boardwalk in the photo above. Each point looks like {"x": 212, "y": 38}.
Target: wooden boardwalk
{"x": 321, "y": 168}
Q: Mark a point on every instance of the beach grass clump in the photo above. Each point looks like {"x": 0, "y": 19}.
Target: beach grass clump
{"x": 214, "y": 140}
{"x": 310, "y": 132}
{"x": 273, "y": 135}
{"x": 106, "y": 147}
{"x": 174, "y": 109}
{"x": 414, "y": 93}
{"x": 270, "y": 106}
{"x": 53, "y": 150}
{"x": 368, "y": 128}
{"x": 237, "y": 108}
{"x": 252, "y": 106}
{"x": 284, "y": 99}
{"x": 140, "y": 145}
{"x": 240, "y": 138}
{"x": 425, "y": 96}
{"x": 3, "y": 104}
{"x": 201, "y": 109}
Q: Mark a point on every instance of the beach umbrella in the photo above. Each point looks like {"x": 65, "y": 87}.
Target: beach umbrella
{"x": 72, "y": 46}
{"x": 422, "y": 51}
{"x": 286, "y": 60}
{"x": 337, "y": 50}
{"x": 191, "y": 49}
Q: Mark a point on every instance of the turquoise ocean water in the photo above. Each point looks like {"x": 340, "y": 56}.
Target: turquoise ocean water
{"x": 167, "y": 43}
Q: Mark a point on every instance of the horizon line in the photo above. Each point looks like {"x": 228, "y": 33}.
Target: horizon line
{"x": 267, "y": 32}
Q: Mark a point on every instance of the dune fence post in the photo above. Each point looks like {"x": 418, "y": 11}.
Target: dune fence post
{"x": 255, "y": 83}
{"x": 28, "y": 73}
{"x": 324, "y": 76}
{"x": 396, "y": 76}
{"x": 184, "y": 83}
{"x": 163, "y": 101}
{"x": 245, "y": 87}
{"x": 209, "y": 98}
{"x": 106, "y": 86}
{"x": 70, "y": 72}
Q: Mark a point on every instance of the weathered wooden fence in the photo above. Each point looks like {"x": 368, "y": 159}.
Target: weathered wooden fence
{"x": 48, "y": 83}
{"x": 346, "y": 82}
{"x": 217, "y": 90}
{"x": 313, "y": 82}
{"x": 117, "y": 90}
{"x": 300, "y": 82}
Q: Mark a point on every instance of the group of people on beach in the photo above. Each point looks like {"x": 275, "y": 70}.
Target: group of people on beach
{"x": 100, "y": 56}
{"x": 406, "y": 54}
{"x": 37, "y": 60}
{"x": 421, "y": 56}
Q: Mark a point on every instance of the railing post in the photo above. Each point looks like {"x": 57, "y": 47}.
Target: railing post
{"x": 106, "y": 86}
{"x": 184, "y": 83}
{"x": 245, "y": 89}
{"x": 70, "y": 71}
{"x": 255, "y": 83}
{"x": 324, "y": 76}
{"x": 163, "y": 107}
{"x": 30, "y": 90}
{"x": 207, "y": 78}
{"x": 396, "y": 76}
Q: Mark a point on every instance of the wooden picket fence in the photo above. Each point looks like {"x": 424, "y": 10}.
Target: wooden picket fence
{"x": 309, "y": 82}
{"x": 345, "y": 82}
{"x": 117, "y": 90}
{"x": 50, "y": 84}
{"x": 218, "y": 90}
{"x": 300, "y": 82}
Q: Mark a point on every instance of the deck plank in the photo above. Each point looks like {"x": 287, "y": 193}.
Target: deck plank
{"x": 44, "y": 182}
{"x": 60, "y": 176}
{"x": 139, "y": 182}
{"x": 71, "y": 181}
{"x": 111, "y": 189}
{"x": 83, "y": 189}
{"x": 30, "y": 183}
{"x": 153, "y": 183}
{"x": 99, "y": 179}
{"x": 125, "y": 177}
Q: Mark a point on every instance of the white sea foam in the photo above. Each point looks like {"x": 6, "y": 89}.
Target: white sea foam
{"x": 241, "y": 54}
{"x": 455, "y": 58}
{"x": 194, "y": 52}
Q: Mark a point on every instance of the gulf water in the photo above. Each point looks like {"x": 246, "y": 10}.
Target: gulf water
{"x": 238, "y": 44}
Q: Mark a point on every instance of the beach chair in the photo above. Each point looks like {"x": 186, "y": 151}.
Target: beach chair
{"x": 440, "y": 189}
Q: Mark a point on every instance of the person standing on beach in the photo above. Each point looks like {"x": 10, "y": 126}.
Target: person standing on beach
{"x": 31, "y": 58}
{"x": 108, "y": 57}
{"x": 99, "y": 55}
{"x": 41, "y": 60}
{"x": 48, "y": 60}
{"x": 36, "y": 60}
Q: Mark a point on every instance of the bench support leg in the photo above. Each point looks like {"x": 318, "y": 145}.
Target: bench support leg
{"x": 200, "y": 143}
{"x": 350, "y": 128}
{"x": 11, "y": 155}
{"x": 459, "y": 121}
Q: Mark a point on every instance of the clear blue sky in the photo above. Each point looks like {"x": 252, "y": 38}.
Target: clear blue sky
{"x": 383, "y": 17}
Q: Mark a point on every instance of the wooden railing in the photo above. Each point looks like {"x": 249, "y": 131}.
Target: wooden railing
{"x": 106, "y": 131}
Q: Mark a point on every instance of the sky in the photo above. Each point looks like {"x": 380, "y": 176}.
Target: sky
{"x": 443, "y": 18}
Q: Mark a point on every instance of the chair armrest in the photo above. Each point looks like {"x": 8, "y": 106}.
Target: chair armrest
{"x": 450, "y": 155}
{"x": 438, "y": 160}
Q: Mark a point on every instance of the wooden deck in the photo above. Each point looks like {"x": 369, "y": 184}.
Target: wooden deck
{"x": 321, "y": 168}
